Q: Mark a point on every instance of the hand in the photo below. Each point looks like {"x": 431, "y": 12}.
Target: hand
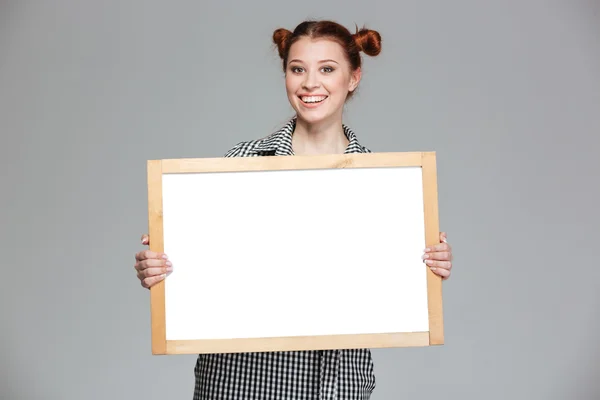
{"x": 439, "y": 257}
{"x": 151, "y": 267}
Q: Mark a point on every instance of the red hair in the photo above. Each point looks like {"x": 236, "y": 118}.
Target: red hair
{"x": 365, "y": 40}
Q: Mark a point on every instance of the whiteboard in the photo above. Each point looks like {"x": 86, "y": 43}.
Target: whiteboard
{"x": 288, "y": 255}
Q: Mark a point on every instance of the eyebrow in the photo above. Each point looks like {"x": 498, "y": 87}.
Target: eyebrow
{"x": 322, "y": 61}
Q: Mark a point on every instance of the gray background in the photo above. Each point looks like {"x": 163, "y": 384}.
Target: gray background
{"x": 507, "y": 93}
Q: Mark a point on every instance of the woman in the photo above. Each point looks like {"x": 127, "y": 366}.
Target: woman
{"x": 322, "y": 66}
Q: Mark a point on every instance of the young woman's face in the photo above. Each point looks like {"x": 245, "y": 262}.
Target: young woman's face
{"x": 318, "y": 79}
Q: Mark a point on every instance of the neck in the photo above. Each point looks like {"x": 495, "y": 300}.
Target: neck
{"x": 326, "y": 137}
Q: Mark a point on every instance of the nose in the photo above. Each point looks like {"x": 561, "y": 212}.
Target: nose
{"x": 311, "y": 81}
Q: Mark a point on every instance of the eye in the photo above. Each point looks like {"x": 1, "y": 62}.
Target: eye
{"x": 327, "y": 70}
{"x": 296, "y": 70}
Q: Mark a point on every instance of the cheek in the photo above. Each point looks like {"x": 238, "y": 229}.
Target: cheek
{"x": 337, "y": 84}
{"x": 291, "y": 84}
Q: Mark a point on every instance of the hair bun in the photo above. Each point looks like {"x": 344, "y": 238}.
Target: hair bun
{"x": 368, "y": 41}
{"x": 280, "y": 38}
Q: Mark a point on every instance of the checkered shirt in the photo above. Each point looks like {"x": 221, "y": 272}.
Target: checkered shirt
{"x": 297, "y": 375}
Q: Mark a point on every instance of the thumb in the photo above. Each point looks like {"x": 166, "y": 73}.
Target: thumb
{"x": 444, "y": 237}
{"x": 145, "y": 239}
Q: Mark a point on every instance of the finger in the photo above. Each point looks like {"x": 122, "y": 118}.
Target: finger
{"x": 147, "y": 264}
{"x": 152, "y": 263}
{"x": 438, "y": 255}
{"x": 147, "y": 254}
{"x": 443, "y": 237}
{"x": 145, "y": 239}
{"x": 152, "y": 272}
{"x": 149, "y": 282}
{"x": 438, "y": 247}
{"x": 439, "y": 264}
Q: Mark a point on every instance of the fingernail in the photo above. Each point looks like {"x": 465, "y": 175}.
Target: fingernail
{"x": 168, "y": 264}
{"x": 426, "y": 250}
{"x": 432, "y": 268}
{"x": 169, "y": 269}
{"x": 425, "y": 256}
{"x": 165, "y": 256}
{"x": 163, "y": 276}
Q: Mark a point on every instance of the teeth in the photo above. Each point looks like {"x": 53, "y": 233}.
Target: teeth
{"x": 313, "y": 99}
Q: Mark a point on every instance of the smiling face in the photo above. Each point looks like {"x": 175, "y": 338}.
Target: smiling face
{"x": 318, "y": 79}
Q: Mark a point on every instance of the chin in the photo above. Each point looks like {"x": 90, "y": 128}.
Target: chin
{"x": 313, "y": 115}
{"x": 315, "y": 119}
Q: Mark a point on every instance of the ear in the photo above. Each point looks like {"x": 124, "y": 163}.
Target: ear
{"x": 355, "y": 79}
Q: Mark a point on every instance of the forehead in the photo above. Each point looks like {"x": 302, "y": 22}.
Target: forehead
{"x": 314, "y": 50}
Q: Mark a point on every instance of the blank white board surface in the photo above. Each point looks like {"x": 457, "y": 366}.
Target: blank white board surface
{"x": 293, "y": 253}
{"x": 301, "y": 252}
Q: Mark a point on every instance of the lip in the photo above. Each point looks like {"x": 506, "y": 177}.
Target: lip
{"x": 312, "y": 94}
{"x": 312, "y": 105}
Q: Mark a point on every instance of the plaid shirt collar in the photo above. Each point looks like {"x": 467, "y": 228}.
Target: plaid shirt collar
{"x": 280, "y": 142}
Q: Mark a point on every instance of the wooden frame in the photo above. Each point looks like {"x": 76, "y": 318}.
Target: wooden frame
{"x": 425, "y": 160}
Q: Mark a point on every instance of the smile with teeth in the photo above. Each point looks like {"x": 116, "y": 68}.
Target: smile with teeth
{"x": 312, "y": 99}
